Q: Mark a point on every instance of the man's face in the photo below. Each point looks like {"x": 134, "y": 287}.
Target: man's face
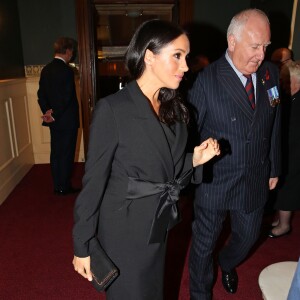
{"x": 69, "y": 55}
{"x": 248, "y": 50}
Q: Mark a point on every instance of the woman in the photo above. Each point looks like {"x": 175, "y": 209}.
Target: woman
{"x": 288, "y": 196}
{"x": 137, "y": 145}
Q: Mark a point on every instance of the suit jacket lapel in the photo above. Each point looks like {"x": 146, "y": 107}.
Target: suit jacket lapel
{"x": 261, "y": 92}
{"x": 235, "y": 88}
{"x": 152, "y": 128}
{"x": 262, "y": 102}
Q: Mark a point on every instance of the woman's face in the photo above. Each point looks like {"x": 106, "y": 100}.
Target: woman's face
{"x": 169, "y": 65}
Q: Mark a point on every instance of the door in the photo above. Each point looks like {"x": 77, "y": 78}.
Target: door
{"x": 85, "y": 16}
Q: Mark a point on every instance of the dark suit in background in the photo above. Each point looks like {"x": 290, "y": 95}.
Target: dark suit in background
{"x": 288, "y": 192}
{"x": 238, "y": 181}
{"x": 57, "y": 92}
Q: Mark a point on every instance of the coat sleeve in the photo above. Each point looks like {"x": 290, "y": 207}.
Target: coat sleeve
{"x": 42, "y": 95}
{"x": 196, "y": 175}
{"x": 102, "y": 146}
{"x": 196, "y": 100}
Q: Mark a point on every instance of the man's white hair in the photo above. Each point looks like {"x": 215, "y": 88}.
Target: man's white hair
{"x": 239, "y": 20}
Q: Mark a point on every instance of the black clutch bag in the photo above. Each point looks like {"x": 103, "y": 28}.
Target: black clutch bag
{"x": 103, "y": 270}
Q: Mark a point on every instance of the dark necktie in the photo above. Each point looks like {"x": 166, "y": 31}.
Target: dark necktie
{"x": 250, "y": 90}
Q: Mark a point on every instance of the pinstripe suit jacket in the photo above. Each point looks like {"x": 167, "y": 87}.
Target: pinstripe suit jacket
{"x": 249, "y": 139}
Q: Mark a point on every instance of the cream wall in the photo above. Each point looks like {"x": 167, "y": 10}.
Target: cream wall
{"x": 24, "y": 141}
{"x": 16, "y": 154}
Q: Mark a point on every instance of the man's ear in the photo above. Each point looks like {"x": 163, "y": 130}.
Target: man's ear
{"x": 149, "y": 57}
{"x": 231, "y": 42}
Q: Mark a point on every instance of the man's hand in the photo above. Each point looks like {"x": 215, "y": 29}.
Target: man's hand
{"x": 47, "y": 117}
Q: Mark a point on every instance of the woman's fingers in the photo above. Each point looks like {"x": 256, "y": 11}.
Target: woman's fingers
{"x": 82, "y": 266}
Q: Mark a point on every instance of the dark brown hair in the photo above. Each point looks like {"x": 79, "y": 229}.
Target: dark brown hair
{"x": 155, "y": 35}
{"x": 63, "y": 43}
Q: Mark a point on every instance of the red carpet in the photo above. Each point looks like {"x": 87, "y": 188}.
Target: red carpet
{"x": 36, "y": 248}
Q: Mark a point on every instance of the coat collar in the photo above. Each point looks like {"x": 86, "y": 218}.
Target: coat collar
{"x": 152, "y": 128}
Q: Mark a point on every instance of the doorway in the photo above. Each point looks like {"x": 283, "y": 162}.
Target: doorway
{"x": 104, "y": 29}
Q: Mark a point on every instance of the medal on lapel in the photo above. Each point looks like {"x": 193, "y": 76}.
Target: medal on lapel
{"x": 273, "y": 95}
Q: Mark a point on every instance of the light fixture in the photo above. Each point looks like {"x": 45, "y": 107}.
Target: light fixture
{"x": 134, "y": 13}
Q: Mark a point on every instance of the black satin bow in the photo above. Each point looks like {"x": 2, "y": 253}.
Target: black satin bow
{"x": 166, "y": 215}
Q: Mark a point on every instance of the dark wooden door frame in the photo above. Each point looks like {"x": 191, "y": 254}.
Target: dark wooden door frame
{"x": 87, "y": 63}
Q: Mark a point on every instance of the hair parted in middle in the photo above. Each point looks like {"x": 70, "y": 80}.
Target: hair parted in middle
{"x": 154, "y": 35}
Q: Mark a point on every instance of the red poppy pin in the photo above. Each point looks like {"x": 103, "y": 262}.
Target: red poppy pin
{"x": 266, "y": 77}
{"x": 267, "y": 74}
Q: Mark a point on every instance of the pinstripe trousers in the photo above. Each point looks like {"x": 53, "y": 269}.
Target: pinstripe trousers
{"x": 245, "y": 229}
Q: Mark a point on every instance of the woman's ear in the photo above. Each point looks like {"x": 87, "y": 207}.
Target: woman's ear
{"x": 149, "y": 57}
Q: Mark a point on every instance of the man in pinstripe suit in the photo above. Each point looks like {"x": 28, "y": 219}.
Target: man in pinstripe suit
{"x": 238, "y": 182}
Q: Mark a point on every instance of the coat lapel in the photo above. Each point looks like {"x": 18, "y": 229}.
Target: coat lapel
{"x": 260, "y": 94}
{"x": 180, "y": 141}
{"x": 262, "y": 100}
{"x": 235, "y": 88}
{"x": 151, "y": 126}
{"x": 261, "y": 91}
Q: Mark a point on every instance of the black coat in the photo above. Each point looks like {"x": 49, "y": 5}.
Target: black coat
{"x": 288, "y": 197}
{"x": 128, "y": 141}
{"x": 57, "y": 91}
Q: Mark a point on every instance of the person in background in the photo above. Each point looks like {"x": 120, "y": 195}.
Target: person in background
{"x": 196, "y": 64}
{"x": 288, "y": 194}
{"x": 281, "y": 56}
{"x": 137, "y": 165}
{"x": 58, "y": 102}
{"x": 233, "y": 106}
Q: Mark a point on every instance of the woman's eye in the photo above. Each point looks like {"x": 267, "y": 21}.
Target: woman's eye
{"x": 177, "y": 55}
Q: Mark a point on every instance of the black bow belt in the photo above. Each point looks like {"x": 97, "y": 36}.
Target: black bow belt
{"x": 166, "y": 215}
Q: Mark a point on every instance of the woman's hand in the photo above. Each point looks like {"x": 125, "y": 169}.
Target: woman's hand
{"x": 206, "y": 151}
{"x": 82, "y": 265}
